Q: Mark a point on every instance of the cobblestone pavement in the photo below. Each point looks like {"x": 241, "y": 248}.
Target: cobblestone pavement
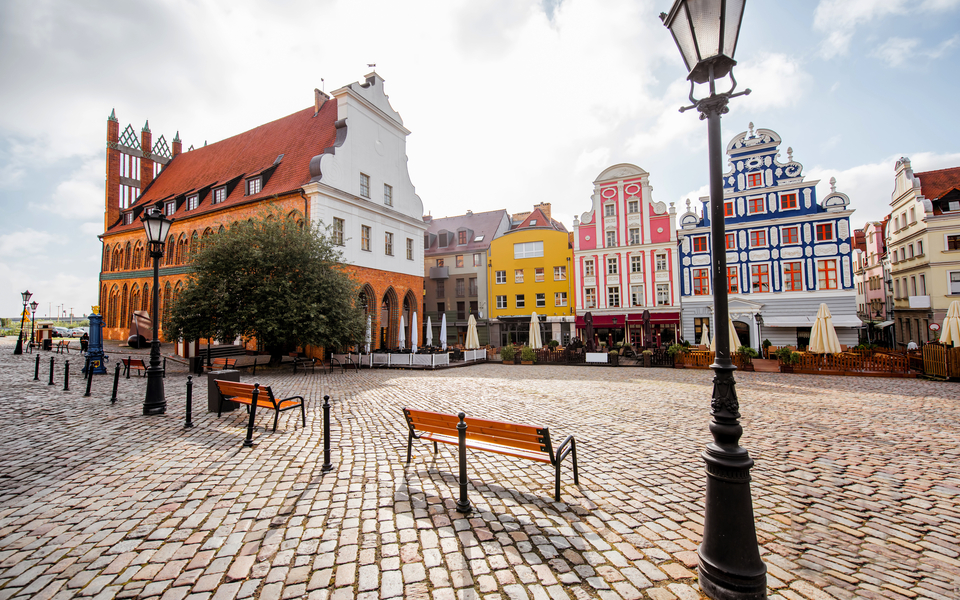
{"x": 856, "y": 488}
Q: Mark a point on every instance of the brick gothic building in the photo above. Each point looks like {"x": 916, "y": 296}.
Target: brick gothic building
{"x": 341, "y": 162}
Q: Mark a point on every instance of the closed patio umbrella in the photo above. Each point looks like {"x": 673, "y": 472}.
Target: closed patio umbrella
{"x": 950, "y": 333}
{"x": 401, "y": 336}
{"x": 414, "y": 333}
{"x": 535, "y": 341}
{"x": 705, "y": 340}
{"x": 429, "y": 331}
{"x": 823, "y": 337}
{"x": 443, "y": 332}
{"x": 734, "y": 339}
{"x": 473, "y": 340}
{"x": 368, "y": 338}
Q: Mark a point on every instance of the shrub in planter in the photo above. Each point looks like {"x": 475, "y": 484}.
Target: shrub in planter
{"x": 613, "y": 357}
{"x": 675, "y": 348}
{"x": 766, "y": 348}
{"x": 528, "y": 355}
{"x": 647, "y": 357}
{"x": 553, "y": 344}
{"x": 508, "y": 353}
{"x": 747, "y": 351}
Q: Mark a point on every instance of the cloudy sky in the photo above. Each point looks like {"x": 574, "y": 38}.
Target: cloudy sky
{"x": 511, "y": 102}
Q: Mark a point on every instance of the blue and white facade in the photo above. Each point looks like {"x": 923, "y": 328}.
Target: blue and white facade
{"x": 786, "y": 252}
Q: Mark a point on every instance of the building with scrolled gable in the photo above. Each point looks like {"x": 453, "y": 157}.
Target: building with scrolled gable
{"x": 787, "y": 252}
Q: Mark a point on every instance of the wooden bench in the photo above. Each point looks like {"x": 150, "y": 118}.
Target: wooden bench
{"x": 63, "y": 346}
{"x": 140, "y": 365}
{"x": 254, "y": 396}
{"x": 221, "y": 364}
{"x": 512, "y": 439}
{"x": 303, "y": 362}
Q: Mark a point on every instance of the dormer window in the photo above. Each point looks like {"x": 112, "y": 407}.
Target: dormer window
{"x": 193, "y": 201}
{"x": 254, "y": 186}
{"x": 128, "y": 218}
{"x": 461, "y": 238}
{"x": 169, "y": 208}
{"x": 219, "y": 194}
{"x": 388, "y": 194}
{"x": 533, "y": 222}
{"x": 754, "y": 180}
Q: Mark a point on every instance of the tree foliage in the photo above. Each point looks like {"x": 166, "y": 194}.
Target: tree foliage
{"x": 271, "y": 279}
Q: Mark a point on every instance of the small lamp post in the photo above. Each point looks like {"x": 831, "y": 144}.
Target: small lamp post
{"x": 26, "y": 298}
{"x": 33, "y": 318}
{"x": 156, "y": 226}
{"x": 706, "y": 33}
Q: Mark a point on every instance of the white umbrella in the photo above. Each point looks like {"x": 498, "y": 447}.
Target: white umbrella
{"x": 443, "y": 332}
{"x": 414, "y": 334}
{"x": 367, "y": 339}
{"x": 950, "y": 333}
{"x": 473, "y": 340}
{"x": 705, "y": 340}
{"x": 401, "y": 336}
{"x": 535, "y": 341}
{"x": 734, "y": 339}
{"x": 429, "y": 331}
{"x": 823, "y": 337}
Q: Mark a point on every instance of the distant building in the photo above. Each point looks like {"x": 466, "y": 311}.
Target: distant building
{"x": 870, "y": 250}
{"x": 456, "y": 252}
{"x": 923, "y": 242}
{"x": 341, "y": 162}
{"x": 529, "y": 271}
{"x": 626, "y": 263}
{"x": 786, "y": 252}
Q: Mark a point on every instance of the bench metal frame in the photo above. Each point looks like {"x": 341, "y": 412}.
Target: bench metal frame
{"x": 238, "y": 392}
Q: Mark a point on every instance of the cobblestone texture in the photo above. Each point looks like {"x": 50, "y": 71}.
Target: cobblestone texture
{"x": 856, "y": 488}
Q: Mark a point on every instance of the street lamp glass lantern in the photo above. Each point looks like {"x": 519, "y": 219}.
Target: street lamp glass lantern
{"x": 706, "y": 33}
{"x": 34, "y": 305}
{"x": 155, "y": 225}
{"x": 26, "y": 296}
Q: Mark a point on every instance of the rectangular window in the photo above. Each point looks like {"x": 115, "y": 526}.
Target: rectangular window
{"x": 442, "y": 243}
{"x": 919, "y": 247}
{"x": 913, "y": 285}
{"x": 560, "y": 299}
{"x": 365, "y": 237}
{"x": 501, "y": 276}
{"x": 518, "y": 275}
{"x": 897, "y": 283}
{"x": 520, "y": 301}
{"x": 527, "y": 250}
{"x": 609, "y": 209}
{"x": 827, "y": 270}
{"x": 793, "y": 277}
{"x": 661, "y": 262}
{"x": 461, "y": 288}
{"x": 461, "y": 310}
{"x": 613, "y": 296}
{"x": 953, "y": 242}
{"x": 459, "y": 261}
{"x": 588, "y": 268}
{"x": 612, "y": 264}
{"x": 364, "y": 185}
{"x": 636, "y": 264}
{"x": 733, "y": 280}
{"x": 169, "y": 208}
{"x": 663, "y": 294}
{"x": 701, "y": 282}
{"x": 636, "y": 295}
{"x": 698, "y": 324}
{"x": 254, "y": 185}
{"x": 501, "y": 302}
{"x": 700, "y": 243}
{"x": 824, "y": 232}
{"x": 472, "y": 286}
{"x": 538, "y": 274}
{"x": 409, "y": 249}
{"x": 954, "y": 283}
{"x": 730, "y": 241}
{"x": 728, "y": 209}
{"x": 478, "y": 260}
{"x": 590, "y": 297}
{"x": 760, "y": 278}
{"x": 541, "y": 300}
{"x": 758, "y": 238}
{"x": 913, "y": 216}
{"x": 910, "y": 251}
{"x": 461, "y": 238}
{"x": 193, "y": 201}
{"x": 788, "y": 201}
{"x": 611, "y": 239}
{"x": 219, "y": 195}
{"x": 923, "y": 284}
{"x": 754, "y": 179}
{"x": 441, "y": 287}
{"x": 388, "y": 194}
{"x": 633, "y": 206}
{"x": 756, "y": 206}
{"x": 790, "y": 235}
{"x": 388, "y": 243}
{"x": 441, "y": 307}
{"x": 634, "y": 236}
{"x": 337, "y": 231}
{"x": 559, "y": 273}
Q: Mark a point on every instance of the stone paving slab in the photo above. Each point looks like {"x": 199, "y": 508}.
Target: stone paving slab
{"x": 856, "y": 488}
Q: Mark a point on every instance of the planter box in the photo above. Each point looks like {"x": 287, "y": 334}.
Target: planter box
{"x": 648, "y": 360}
{"x": 508, "y": 362}
{"x": 596, "y": 357}
{"x": 526, "y": 362}
{"x": 786, "y": 368}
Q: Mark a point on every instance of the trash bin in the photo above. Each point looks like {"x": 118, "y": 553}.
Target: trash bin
{"x": 213, "y": 394}
{"x": 47, "y": 344}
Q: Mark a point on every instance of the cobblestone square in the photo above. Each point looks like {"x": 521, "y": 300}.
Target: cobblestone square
{"x": 856, "y": 487}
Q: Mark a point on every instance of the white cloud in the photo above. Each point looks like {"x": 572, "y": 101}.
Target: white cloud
{"x": 82, "y": 195}
{"x": 777, "y": 81}
{"x": 896, "y": 51}
{"x": 28, "y": 243}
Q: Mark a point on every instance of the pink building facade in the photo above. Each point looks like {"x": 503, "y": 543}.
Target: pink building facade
{"x": 625, "y": 260}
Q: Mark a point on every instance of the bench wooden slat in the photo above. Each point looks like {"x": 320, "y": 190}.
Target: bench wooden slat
{"x": 488, "y": 447}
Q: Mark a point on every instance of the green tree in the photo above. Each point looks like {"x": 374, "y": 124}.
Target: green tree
{"x": 271, "y": 279}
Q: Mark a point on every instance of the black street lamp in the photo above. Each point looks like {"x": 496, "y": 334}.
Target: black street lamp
{"x": 26, "y": 298}
{"x": 156, "y": 227}
{"x": 33, "y": 319}
{"x": 706, "y": 33}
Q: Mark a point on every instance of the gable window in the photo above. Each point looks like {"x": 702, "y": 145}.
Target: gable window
{"x": 541, "y": 300}
{"x": 754, "y": 179}
{"x": 364, "y": 185}
{"x": 633, "y": 206}
{"x": 388, "y": 243}
{"x": 501, "y": 302}
{"x": 559, "y": 273}
{"x": 790, "y": 235}
{"x": 701, "y": 282}
{"x": 560, "y": 299}
{"x": 611, "y": 239}
{"x": 459, "y": 260}
{"x": 661, "y": 262}
{"x": 388, "y": 194}
{"x": 612, "y": 266}
{"x": 590, "y": 297}
{"x": 538, "y": 274}
{"x": 634, "y": 236}
{"x": 588, "y": 268}
{"x": 756, "y": 205}
{"x": 824, "y": 232}
{"x": 609, "y": 209}
{"x": 461, "y": 238}
{"x": 758, "y": 238}
{"x": 636, "y": 264}
{"x": 793, "y": 277}
{"x": 788, "y": 201}
{"x": 337, "y": 231}
{"x": 527, "y": 250}
{"x": 409, "y": 249}
{"x": 827, "y": 271}
{"x": 520, "y": 301}
{"x": 219, "y": 195}
{"x": 501, "y": 276}
{"x": 518, "y": 275}
{"x": 169, "y": 208}
{"x": 760, "y": 278}
{"x": 733, "y": 280}
{"x": 728, "y": 209}
{"x": 613, "y": 296}
{"x": 365, "y": 237}
{"x": 700, "y": 243}
{"x": 254, "y": 185}
{"x": 730, "y": 241}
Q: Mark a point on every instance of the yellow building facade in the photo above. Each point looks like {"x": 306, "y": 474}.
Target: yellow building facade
{"x": 529, "y": 270}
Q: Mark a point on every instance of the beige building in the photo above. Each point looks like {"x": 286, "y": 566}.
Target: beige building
{"x": 923, "y": 242}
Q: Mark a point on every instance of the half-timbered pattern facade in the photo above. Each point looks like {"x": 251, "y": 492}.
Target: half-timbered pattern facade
{"x": 786, "y": 251}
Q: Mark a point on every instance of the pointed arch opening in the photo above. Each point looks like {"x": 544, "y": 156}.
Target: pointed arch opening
{"x": 389, "y": 317}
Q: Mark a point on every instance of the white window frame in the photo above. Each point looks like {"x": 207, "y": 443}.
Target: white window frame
{"x": 560, "y": 273}
{"x": 527, "y": 250}
{"x": 559, "y": 298}
{"x": 364, "y": 185}
{"x": 663, "y": 294}
{"x": 763, "y": 200}
{"x": 541, "y": 300}
{"x": 501, "y": 277}
{"x": 766, "y": 237}
{"x": 337, "y": 231}
{"x": 388, "y": 243}
{"x": 366, "y": 233}
{"x": 521, "y": 301}
{"x": 169, "y": 208}
{"x": 518, "y": 275}
{"x": 388, "y": 194}
{"x": 946, "y": 242}
{"x": 634, "y": 236}
{"x": 502, "y": 302}
{"x": 658, "y": 257}
{"x": 636, "y": 295}
{"x": 254, "y": 185}
{"x": 633, "y": 206}
{"x": 587, "y": 301}
{"x": 613, "y": 265}
{"x": 589, "y": 268}
{"x": 539, "y": 274}
{"x": 636, "y": 264}
{"x": 610, "y": 209}
{"x": 128, "y": 218}
{"x": 409, "y": 248}
{"x": 611, "y": 291}
{"x": 219, "y": 194}
{"x": 611, "y": 239}
{"x": 193, "y": 201}
{"x": 950, "y": 284}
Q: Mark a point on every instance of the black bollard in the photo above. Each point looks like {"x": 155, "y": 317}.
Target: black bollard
{"x": 51, "y": 372}
{"x": 129, "y": 359}
{"x": 327, "y": 467}
{"x": 253, "y": 413}
{"x": 463, "y": 504}
{"x": 36, "y": 372}
{"x": 189, "y": 421}
{"x": 89, "y": 379}
{"x": 116, "y": 382}
{"x": 66, "y": 375}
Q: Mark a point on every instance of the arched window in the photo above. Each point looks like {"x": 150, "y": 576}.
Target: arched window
{"x": 114, "y": 308}
{"x": 389, "y": 320}
{"x": 117, "y": 258}
{"x": 194, "y": 245}
{"x": 124, "y": 306}
{"x": 170, "y": 257}
{"x": 138, "y": 256}
{"x": 221, "y": 230}
{"x": 127, "y": 256}
{"x": 167, "y": 300}
{"x": 106, "y": 258}
{"x": 147, "y": 299}
{"x": 134, "y": 300}
{"x": 181, "y": 249}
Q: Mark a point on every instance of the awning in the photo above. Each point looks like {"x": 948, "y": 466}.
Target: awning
{"x": 884, "y": 324}
{"x": 632, "y": 318}
{"x": 838, "y": 321}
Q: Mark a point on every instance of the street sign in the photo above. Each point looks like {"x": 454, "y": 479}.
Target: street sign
{"x": 934, "y": 326}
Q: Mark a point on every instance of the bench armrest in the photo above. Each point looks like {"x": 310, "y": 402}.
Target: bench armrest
{"x": 569, "y": 445}
{"x": 291, "y": 398}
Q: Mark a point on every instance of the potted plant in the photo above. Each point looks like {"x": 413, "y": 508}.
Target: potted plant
{"x": 744, "y": 358}
{"x": 553, "y": 344}
{"x": 613, "y": 357}
{"x": 766, "y": 348}
{"x": 675, "y": 352}
{"x": 527, "y": 356}
{"x": 507, "y": 354}
{"x": 787, "y": 358}
{"x": 647, "y": 358}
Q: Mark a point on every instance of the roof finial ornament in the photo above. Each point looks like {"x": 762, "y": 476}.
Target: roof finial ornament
{"x": 790, "y": 153}
{"x": 750, "y": 126}
{"x": 146, "y": 127}
{"x": 113, "y": 115}
{"x": 833, "y": 185}
{"x": 688, "y": 204}
{"x": 176, "y": 138}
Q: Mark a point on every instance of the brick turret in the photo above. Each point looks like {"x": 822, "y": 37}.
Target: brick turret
{"x": 112, "y": 201}
{"x": 146, "y": 163}
{"x": 177, "y": 146}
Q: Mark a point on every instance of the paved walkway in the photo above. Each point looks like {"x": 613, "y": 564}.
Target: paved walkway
{"x": 856, "y": 488}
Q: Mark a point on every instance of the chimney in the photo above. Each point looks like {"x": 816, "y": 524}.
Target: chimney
{"x": 545, "y": 209}
{"x": 469, "y": 213}
{"x": 177, "y": 145}
{"x": 319, "y": 99}
{"x": 146, "y": 163}
{"x": 111, "y": 211}
{"x": 427, "y": 218}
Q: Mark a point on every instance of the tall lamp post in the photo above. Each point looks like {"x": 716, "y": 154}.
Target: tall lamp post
{"x": 26, "y": 298}
{"x": 729, "y": 566}
{"x": 33, "y": 318}
{"x": 156, "y": 226}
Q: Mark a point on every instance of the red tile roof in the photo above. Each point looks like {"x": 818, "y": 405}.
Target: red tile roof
{"x": 937, "y": 184}
{"x": 541, "y": 221}
{"x": 298, "y": 137}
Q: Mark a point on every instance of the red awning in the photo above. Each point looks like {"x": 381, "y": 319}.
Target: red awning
{"x": 632, "y": 318}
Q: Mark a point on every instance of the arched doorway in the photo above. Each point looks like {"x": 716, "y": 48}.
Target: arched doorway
{"x": 410, "y": 307}
{"x": 389, "y": 314}
{"x": 743, "y": 334}
{"x": 367, "y": 302}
